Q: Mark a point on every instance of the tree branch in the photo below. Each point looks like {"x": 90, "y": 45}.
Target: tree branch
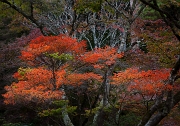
{"x": 169, "y": 18}
{"x": 29, "y": 17}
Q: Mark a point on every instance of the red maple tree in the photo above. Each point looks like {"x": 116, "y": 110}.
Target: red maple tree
{"x": 42, "y": 84}
{"x": 56, "y": 70}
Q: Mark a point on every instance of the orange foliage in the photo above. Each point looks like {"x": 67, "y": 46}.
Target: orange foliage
{"x": 77, "y": 79}
{"x": 39, "y": 76}
{"x": 52, "y": 44}
{"x": 27, "y": 55}
{"x": 106, "y": 56}
{"x": 37, "y": 87}
{"x": 60, "y": 77}
{"x": 18, "y": 76}
{"x": 145, "y": 82}
{"x": 17, "y": 96}
{"x": 43, "y": 84}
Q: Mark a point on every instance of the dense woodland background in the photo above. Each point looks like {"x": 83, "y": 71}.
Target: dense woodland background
{"x": 89, "y": 62}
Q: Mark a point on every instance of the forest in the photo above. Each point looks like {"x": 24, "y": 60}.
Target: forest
{"x": 89, "y": 62}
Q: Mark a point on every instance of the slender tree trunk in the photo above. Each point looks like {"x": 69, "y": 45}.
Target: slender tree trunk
{"x": 106, "y": 88}
{"x": 53, "y": 73}
{"x": 66, "y": 119}
{"x": 93, "y": 29}
{"x": 122, "y": 46}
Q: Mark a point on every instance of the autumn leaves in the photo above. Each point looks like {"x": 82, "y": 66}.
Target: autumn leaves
{"x": 55, "y": 61}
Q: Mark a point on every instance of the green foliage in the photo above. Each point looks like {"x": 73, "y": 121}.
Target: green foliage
{"x": 60, "y": 103}
{"x": 57, "y": 112}
{"x": 51, "y": 112}
{"x": 12, "y": 21}
{"x": 71, "y": 109}
{"x": 22, "y": 71}
{"x": 172, "y": 7}
{"x": 60, "y": 108}
{"x": 88, "y": 5}
{"x": 63, "y": 57}
{"x": 129, "y": 119}
{"x": 169, "y": 6}
{"x": 165, "y": 51}
{"x": 150, "y": 14}
{"x": 92, "y": 111}
{"x": 39, "y": 6}
{"x": 11, "y": 27}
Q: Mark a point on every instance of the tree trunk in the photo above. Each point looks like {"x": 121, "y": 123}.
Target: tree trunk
{"x": 66, "y": 119}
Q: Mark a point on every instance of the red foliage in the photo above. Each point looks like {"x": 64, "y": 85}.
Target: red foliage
{"x": 149, "y": 82}
{"x": 35, "y": 87}
{"x": 42, "y": 84}
{"x": 77, "y": 79}
{"x": 52, "y": 44}
{"x": 102, "y": 57}
{"x": 9, "y": 53}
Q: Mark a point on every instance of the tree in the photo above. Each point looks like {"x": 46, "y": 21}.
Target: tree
{"x": 49, "y": 57}
{"x": 93, "y": 84}
{"x": 10, "y": 54}
{"x": 166, "y": 106}
{"x": 99, "y": 22}
{"x": 111, "y": 23}
{"x": 171, "y": 17}
{"x": 60, "y": 69}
